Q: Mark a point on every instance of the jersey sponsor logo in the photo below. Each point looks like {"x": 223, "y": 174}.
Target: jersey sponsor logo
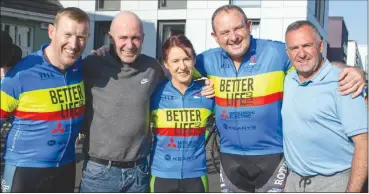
{"x": 75, "y": 67}
{"x": 239, "y": 128}
{"x": 197, "y": 95}
{"x": 51, "y": 142}
{"x": 225, "y": 66}
{"x": 248, "y": 91}
{"x": 171, "y": 143}
{"x": 224, "y": 115}
{"x": 180, "y": 122}
{"x": 167, "y": 97}
{"x": 44, "y": 76}
{"x": 238, "y": 91}
{"x": 236, "y": 115}
{"x": 184, "y": 144}
{"x": 54, "y": 142}
{"x": 52, "y": 104}
{"x": 252, "y": 60}
{"x": 58, "y": 129}
{"x": 178, "y": 158}
{"x": 70, "y": 99}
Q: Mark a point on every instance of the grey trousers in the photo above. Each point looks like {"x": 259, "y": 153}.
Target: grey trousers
{"x": 335, "y": 183}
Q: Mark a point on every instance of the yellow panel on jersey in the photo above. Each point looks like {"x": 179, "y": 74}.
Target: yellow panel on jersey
{"x": 52, "y": 99}
{"x": 8, "y": 104}
{"x": 194, "y": 119}
{"x": 249, "y": 91}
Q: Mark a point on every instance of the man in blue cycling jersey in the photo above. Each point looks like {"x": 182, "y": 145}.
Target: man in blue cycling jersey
{"x": 44, "y": 96}
{"x": 248, "y": 76}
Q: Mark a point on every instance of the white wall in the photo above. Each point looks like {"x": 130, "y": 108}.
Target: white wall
{"x": 274, "y": 18}
{"x": 351, "y": 53}
{"x": 363, "y": 49}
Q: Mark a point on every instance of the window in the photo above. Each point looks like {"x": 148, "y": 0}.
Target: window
{"x": 167, "y": 29}
{"x": 108, "y": 5}
{"x": 243, "y": 3}
{"x": 320, "y": 11}
{"x": 172, "y": 4}
{"x": 22, "y": 36}
{"x": 255, "y": 29}
{"x": 101, "y": 34}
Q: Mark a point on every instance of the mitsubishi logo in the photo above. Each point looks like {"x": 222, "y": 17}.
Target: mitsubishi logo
{"x": 224, "y": 114}
{"x": 171, "y": 144}
{"x": 58, "y": 129}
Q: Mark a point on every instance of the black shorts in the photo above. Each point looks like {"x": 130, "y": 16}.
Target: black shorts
{"x": 40, "y": 180}
{"x": 189, "y": 185}
{"x": 264, "y": 173}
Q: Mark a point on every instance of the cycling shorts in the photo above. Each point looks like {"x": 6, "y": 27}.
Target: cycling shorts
{"x": 39, "y": 180}
{"x": 262, "y": 173}
{"x": 187, "y": 185}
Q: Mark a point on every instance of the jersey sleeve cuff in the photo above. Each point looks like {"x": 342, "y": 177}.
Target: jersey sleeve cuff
{"x": 357, "y": 132}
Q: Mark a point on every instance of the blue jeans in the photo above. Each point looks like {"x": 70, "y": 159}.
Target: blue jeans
{"x": 104, "y": 178}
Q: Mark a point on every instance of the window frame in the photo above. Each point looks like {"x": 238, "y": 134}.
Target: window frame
{"x": 159, "y": 34}
{"x": 16, "y": 40}
{"x": 98, "y": 34}
{"x": 320, "y": 11}
{"x": 98, "y": 2}
{"x": 243, "y": 6}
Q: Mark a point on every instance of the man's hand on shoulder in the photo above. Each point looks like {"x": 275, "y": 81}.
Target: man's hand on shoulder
{"x": 100, "y": 51}
{"x": 351, "y": 80}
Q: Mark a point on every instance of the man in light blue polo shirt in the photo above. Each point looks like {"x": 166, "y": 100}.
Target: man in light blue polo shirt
{"x": 324, "y": 133}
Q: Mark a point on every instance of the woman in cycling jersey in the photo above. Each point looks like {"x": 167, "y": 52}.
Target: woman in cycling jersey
{"x": 179, "y": 114}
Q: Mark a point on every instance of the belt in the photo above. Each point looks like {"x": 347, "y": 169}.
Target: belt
{"x": 130, "y": 164}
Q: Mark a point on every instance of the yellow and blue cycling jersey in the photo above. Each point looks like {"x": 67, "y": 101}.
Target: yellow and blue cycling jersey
{"x": 179, "y": 131}
{"x": 46, "y": 107}
{"x": 248, "y": 100}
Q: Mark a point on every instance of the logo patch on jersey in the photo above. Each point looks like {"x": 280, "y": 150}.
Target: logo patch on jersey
{"x": 224, "y": 115}
{"x": 197, "y": 95}
{"x": 252, "y": 60}
{"x": 167, "y": 157}
{"x": 184, "y": 144}
{"x": 51, "y": 142}
{"x": 44, "y": 76}
{"x": 178, "y": 158}
{"x": 166, "y": 97}
{"x": 225, "y": 66}
{"x": 171, "y": 143}
{"x": 58, "y": 129}
{"x": 237, "y": 115}
{"x": 239, "y": 128}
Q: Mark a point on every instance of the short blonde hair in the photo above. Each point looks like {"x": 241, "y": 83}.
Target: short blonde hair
{"x": 73, "y": 13}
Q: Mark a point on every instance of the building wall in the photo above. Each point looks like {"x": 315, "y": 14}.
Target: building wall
{"x": 274, "y": 17}
{"x": 363, "y": 49}
{"x": 353, "y": 54}
{"x": 40, "y": 36}
{"x": 337, "y": 38}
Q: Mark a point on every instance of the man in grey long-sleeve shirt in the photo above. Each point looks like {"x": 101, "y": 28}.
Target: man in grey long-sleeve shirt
{"x": 118, "y": 89}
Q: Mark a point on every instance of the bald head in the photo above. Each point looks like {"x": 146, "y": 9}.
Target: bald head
{"x": 126, "y": 34}
{"x": 126, "y": 19}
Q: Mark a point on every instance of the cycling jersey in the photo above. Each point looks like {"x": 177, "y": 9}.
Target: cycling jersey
{"x": 179, "y": 128}
{"x": 47, "y": 106}
{"x": 248, "y": 101}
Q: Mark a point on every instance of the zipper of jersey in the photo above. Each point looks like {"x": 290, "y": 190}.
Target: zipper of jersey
{"x": 235, "y": 107}
{"x": 70, "y": 119}
{"x": 183, "y": 138}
